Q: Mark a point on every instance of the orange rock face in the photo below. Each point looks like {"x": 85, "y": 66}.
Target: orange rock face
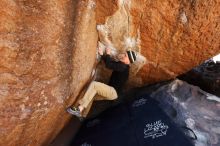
{"x": 173, "y": 36}
{"x": 48, "y": 50}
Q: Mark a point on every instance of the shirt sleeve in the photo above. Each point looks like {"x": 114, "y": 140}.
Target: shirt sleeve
{"x": 112, "y": 64}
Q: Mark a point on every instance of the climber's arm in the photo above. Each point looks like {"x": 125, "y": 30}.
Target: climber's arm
{"x": 112, "y": 64}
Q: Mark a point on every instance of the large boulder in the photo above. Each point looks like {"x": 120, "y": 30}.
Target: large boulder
{"x": 173, "y": 36}
{"x": 191, "y": 107}
{"x": 48, "y": 51}
{"x": 206, "y": 76}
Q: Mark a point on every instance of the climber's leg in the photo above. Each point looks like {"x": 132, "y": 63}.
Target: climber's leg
{"x": 107, "y": 93}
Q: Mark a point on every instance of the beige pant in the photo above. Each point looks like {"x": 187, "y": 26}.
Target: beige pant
{"x": 104, "y": 92}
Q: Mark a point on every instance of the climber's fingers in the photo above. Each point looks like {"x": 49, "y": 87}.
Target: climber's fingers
{"x": 100, "y": 51}
{"x": 108, "y": 51}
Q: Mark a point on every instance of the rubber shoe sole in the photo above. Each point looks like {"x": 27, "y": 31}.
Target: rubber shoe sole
{"x": 74, "y": 112}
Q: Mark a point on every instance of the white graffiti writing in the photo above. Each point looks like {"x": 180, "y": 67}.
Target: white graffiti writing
{"x": 86, "y": 144}
{"x": 139, "y": 102}
{"x": 155, "y": 129}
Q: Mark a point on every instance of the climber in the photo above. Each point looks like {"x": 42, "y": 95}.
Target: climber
{"x": 111, "y": 91}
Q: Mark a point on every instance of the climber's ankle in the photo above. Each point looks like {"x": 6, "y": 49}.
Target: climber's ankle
{"x": 81, "y": 108}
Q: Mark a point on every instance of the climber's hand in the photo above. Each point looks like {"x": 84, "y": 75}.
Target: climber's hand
{"x": 100, "y": 51}
{"x": 108, "y": 51}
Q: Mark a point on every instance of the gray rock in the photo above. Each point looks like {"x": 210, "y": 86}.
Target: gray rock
{"x": 190, "y": 106}
{"x": 206, "y": 76}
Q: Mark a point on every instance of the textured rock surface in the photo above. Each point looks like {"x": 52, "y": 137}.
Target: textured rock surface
{"x": 47, "y": 52}
{"x": 206, "y": 76}
{"x": 41, "y": 67}
{"x": 173, "y": 35}
{"x": 192, "y": 107}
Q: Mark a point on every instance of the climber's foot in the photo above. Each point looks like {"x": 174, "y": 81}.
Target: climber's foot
{"x": 74, "y": 111}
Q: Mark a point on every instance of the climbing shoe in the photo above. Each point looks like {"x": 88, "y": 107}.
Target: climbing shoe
{"x": 74, "y": 111}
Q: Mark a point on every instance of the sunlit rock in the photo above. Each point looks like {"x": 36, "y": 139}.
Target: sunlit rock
{"x": 48, "y": 51}
{"x": 173, "y": 36}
